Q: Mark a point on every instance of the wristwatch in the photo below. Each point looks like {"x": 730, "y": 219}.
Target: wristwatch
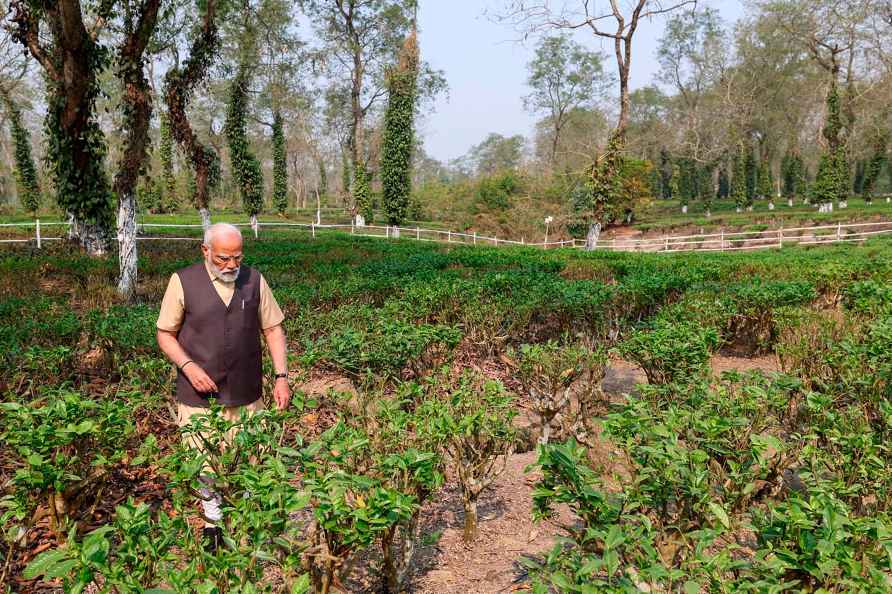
{"x": 281, "y": 375}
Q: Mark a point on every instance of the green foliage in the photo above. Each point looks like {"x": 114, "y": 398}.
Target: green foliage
{"x": 245, "y": 165}
{"x": 549, "y": 373}
{"x": 362, "y": 192}
{"x": 75, "y": 156}
{"x": 794, "y": 175}
{"x": 280, "y": 165}
{"x": 878, "y": 161}
{"x": 738, "y": 178}
{"x": 165, "y": 149}
{"x": 672, "y": 352}
{"x": 496, "y": 191}
{"x": 25, "y": 172}
{"x": 832, "y": 182}
{"x": 765, "y": 185}
{"x": 470, "y": 418}
{"x": 751, "y": 171}
{"x": 398, "y": 142}
{"x": 64, "y": 449}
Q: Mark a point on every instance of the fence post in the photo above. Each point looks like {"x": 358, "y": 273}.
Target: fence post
{"x": 666, "y": 244}
{"x": 417, "y": 233}
{"x": 780, "y": 237}
{"x": 352, "y": 226}
{"x": 838, "y": 231}
{"x": 722, "y": 247}
{"x": 449, "y": 237}
{"x": 37, "y": 230}
{"x": 475, "y": 238}
{"x": 313, "y": 229}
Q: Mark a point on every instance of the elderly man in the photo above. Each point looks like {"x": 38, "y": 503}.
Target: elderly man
{"x": 210, "y": 323}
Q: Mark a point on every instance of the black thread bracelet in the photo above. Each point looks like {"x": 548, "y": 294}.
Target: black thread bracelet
{"x": 183, "y": 366}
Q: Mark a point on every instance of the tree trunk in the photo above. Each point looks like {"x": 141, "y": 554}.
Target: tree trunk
{"x": 471, "y": 530}
{"x": 137, "y": 99}
{"x": 127, "y": 255}
{"x": 205, "y": 218}
{"x": 395, "y": 232}
{"x": 397, "y": 563}
{"x": 591, "y": 239}
{"x": 180, "y": 86}
{"x": 360, "y": 220}
{"x": 91, "y": 236}
{"x": 790, "y": 203}
{"x": 684, "y": 209}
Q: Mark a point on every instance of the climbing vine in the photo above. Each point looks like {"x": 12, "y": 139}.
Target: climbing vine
{"x": 398, "y": 143}
{"x": 362, "y": 193}
{"x": 738, "y": 178}
{"x": 245, "y": 165}
{"x": 832, "y": 181}
{"x": 165, "y": 149}
{"x": 25, "y": 170}
{"x": 874, "y": 167}
{"x": 280, "y": 166}
{"x": 180, "y": 85}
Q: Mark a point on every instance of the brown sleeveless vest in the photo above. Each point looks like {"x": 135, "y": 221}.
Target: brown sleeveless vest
{"x": 224, "y": 341}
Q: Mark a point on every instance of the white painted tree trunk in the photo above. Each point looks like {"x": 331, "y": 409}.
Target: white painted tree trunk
{"x": 888, "y": 199}
{"x": 843, "y": 203}
{"x": 91, "y": 236}
{"x": 360, "y": 220}
{"x": 205, "y": 218}
{"x": 738, "y": 210}
{"x": 771, "y": 206}
{"x": 790, "y": 202}
{"x": 127, "y": 254}
{"x": 254, "y": 225}
{"x": 708, "y": 214}
{"x": 591, "y": 239}
{"x": 749, "y": 208}
{"x": 395, "y": 232}
{"x": 684, "y": 209}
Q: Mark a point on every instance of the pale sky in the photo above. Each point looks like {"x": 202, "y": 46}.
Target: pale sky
{"x": 486, "y": 70}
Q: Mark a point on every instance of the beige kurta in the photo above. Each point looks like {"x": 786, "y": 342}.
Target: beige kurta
{"x": 173, "y": 307}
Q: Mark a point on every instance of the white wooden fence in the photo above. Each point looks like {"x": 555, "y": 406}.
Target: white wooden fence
{"x": 707, "y": 242}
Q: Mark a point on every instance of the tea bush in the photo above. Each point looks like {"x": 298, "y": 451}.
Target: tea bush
{"x": 671, "y": 352}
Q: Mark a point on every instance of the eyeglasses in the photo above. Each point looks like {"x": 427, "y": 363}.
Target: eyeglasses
{"x": 223, "y": 260}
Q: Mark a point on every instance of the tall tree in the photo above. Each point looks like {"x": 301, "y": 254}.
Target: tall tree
{"x": 139, "y": 18}
{"x": 165, "y": 150}
{"x": 398, "y": 143}
{"x": 362, "y": 36}
{"x": 72, "y": 58}
{"x": 603, "y": 183}
{"x": 180, "y": 85}
{"x": 563, "y": 76}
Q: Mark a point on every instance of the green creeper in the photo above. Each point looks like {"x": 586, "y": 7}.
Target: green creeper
{"x": 362, "y": 192}
{"x": 245, "y": 165}
{"x": 280, "y": 170}
{"x": 25, "y": 171}
{"x": 165, "y": 150}
{"x": 399, "y": 134}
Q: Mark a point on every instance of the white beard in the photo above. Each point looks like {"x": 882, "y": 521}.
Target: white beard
{"x": 226, "y": 277}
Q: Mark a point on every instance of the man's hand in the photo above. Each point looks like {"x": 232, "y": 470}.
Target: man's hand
{"x": 282, "y": 393}
{"x": 200, "y": 380}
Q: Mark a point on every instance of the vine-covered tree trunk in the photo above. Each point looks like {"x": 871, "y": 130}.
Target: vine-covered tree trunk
{"x": 180, "y": 84}
{"x": 245, "y": 165}
{"x": 27, "y": 185}
{"x": 56, "y": 36}
{"x": 137, "y": 98}
{"x": 398, "y": 142}
{"x": 280, "y": 165}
